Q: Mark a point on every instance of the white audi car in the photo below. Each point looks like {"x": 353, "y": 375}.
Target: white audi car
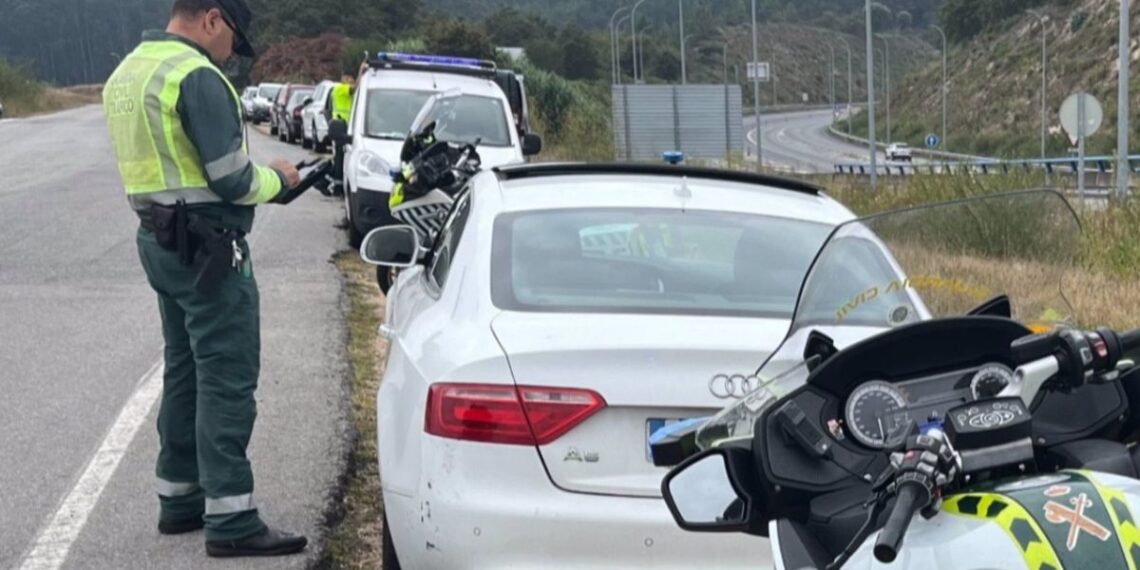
{"x": 564, "y": 313}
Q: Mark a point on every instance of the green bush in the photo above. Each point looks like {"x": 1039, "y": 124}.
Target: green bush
{"x": 18, "y": 91}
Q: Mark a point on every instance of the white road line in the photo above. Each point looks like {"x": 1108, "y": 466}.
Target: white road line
{"x": 54, "y": 541}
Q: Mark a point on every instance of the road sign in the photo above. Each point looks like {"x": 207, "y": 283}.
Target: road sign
{"x": 760, "y": 71}
{"x": 1071, "y": 116}
{"x": 932, "y": 141}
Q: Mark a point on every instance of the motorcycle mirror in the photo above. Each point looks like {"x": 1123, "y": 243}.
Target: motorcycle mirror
{"x": 820, "y": 347}
{"x": 999, "y": 306}
{"x": 703, "y": 494}
{"x": 392, "y": 246}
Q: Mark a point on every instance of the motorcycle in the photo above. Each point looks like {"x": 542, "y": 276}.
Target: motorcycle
{"x": 434, "y": 166}
{"x": 916, "y": 417}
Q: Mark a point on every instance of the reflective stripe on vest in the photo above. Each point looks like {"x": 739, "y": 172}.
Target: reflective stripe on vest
{"x": 157, "y": 161}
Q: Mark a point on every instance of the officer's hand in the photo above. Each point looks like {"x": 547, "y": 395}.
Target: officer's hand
{"x": 292, "y": 177}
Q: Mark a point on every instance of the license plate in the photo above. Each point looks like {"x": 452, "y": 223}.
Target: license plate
{"x": 651, "y": 427}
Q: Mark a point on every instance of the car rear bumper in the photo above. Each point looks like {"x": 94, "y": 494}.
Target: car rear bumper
{"x": 493, "y": 507}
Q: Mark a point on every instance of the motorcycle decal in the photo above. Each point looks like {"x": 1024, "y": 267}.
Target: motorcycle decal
{"x": 1075, "y": 519}
{"x": 1122, "y": 520}
{"x": 1017, "y": 523}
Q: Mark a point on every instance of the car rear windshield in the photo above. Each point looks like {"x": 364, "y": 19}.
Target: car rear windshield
{"x": 391, "y": 112}
{"x": 269, "y": 91}
{"x": 651, "y": 261}
{"x": 299, "y": 97}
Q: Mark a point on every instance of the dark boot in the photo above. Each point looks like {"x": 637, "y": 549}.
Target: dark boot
{"x": 181, "y": 527}
{"x": 268, "y": 542}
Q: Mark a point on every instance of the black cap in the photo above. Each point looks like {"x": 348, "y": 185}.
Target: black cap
{"x": 239, "y": 18}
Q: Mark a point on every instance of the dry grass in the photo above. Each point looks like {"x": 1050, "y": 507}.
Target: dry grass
{"x": 356, "y": 539}
{"x": 52, "y": 100}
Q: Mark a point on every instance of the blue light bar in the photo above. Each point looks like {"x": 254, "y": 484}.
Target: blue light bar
{"x": 673, "y": 156}
{"x": 433, "y": 59}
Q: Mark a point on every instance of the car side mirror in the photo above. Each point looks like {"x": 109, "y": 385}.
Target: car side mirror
{"x": 704, "y": 495}
{"x": 531, "y": 144}
{"x": 308, "y": 101}
{"x": 392, "y": 246}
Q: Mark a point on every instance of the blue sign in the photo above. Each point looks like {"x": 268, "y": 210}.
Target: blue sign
{"x": 932, "y": 141}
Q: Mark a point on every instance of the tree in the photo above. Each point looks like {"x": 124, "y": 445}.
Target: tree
{"x": 580, "y": 57}
{"x": 512, "y": 27}
{"x": 459, "y": 38}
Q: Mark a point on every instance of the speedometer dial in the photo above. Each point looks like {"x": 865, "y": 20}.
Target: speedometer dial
{"x": 875, "y": 414}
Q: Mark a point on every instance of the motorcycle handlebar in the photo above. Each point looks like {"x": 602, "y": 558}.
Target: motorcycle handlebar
{"x": 1130, "y": 340}
{"x": 890, "y": 539}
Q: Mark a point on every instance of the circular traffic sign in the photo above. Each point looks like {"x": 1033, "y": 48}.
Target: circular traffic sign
{"x": 1070, "y": 115}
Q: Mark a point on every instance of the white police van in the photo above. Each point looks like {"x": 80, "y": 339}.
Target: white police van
{"x": 391, "y": 93}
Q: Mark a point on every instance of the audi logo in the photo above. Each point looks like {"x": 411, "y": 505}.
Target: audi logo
{"x": 726, "y": 386}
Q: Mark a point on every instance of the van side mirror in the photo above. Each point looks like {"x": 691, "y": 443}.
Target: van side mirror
{"x": 308, "y": 101}
{"x": 392, "y": 246}
{"x": 531, "y": 144}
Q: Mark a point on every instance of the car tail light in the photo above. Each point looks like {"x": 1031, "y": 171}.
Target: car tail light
{"x": 523, "y": 415}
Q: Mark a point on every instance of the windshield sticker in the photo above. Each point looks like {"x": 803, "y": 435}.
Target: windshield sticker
{"x": 921, "y": 282}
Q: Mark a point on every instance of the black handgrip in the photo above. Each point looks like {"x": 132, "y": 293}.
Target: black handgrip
{"x": 909, "y": 501}
{"x": 1130, "y": 340}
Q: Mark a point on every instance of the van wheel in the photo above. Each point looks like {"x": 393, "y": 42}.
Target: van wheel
{"x": 388, "y": 560}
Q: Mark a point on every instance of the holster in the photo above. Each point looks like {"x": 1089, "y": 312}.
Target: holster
{"x": 176, "y": 229}
{"x": 217, "y": 247}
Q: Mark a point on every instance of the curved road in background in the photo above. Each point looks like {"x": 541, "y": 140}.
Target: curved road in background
{"x": 799, "y": 142}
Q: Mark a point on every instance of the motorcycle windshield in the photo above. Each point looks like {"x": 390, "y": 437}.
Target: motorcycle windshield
{"x": 901, "y": 267}
{"x": 464, "y": 118}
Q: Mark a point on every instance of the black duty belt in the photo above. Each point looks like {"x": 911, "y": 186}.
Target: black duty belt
{"x": 197, "y": 240}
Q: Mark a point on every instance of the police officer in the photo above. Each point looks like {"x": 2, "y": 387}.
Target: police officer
{"x": 175, "y": 124}
{"x": 341, "y": 101}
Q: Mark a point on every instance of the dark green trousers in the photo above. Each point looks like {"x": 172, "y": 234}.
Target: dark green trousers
{"x": 213, "y": 351}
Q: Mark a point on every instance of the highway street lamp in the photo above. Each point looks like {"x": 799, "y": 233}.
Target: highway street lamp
{"x": 633, "y": 31}
{"x": 617, "y": 30}
{"x": 1042, "y": 19}
{"x": 943, "y": 33}
{"x": 756, "y": 87}
{"x": 613, "y": 45}
{"x": 681, "y": 19}
{"x": 887, "y": 81}
{"x": 871, "y": 96}
{"x": 1123, "y": 168}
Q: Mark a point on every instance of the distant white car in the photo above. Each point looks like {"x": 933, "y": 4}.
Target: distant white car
{"x": 263, "y": 101}
{"x": 247, "y": 97}
{"x": 899, "y": 152}
{"x": 315, "y": 118}
{"x": 564, "y": 313}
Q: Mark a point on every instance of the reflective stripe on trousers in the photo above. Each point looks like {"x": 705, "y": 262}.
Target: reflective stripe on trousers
{"x": 229, "y": 505}
{"x": 172, "y": 489}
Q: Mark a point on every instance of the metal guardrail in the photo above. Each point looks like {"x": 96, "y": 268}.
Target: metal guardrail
{"x": 1067, "y": 165}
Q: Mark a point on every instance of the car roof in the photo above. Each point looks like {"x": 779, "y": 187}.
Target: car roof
{"x": 430, "y": 81}
{"x": 645, "y": 186}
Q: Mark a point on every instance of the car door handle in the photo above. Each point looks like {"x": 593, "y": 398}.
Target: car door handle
{"x": 386, "y": 332}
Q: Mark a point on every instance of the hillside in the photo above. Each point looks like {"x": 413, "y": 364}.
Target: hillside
{"x": 995, "y": 84}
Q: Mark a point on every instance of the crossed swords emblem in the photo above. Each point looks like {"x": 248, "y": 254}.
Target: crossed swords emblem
{"x": 1057, "y": 513}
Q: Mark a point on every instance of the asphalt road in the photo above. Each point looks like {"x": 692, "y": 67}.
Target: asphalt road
{"x": 799, "y": 142}
{"x": 81, "y": 330}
